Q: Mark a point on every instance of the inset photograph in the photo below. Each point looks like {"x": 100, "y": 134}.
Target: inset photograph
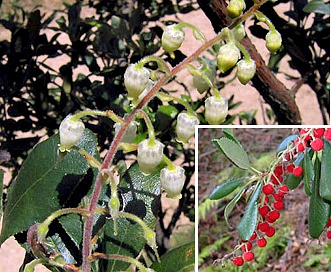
{"x": 264, "y": 198}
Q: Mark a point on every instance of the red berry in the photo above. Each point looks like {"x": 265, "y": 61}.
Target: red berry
{"x": 279, "y": 205}
{"x": 317, "y": 144}
{"x": 318, "y": 132}
{"x": 264, "y": 226}
{"x": 284, "y": 189}
{"x": 288, "y": 156}
{"x": 278, "y": 196}
{"x": 276, "y": 179}
{"x": 248, "y": 256}
{"x": 301, "y": 147}
{"x": 303, "y": 131}
{"x": 253, "y": 236}
{"x": 278, "y": 170}
{"x": 327, "y": 134}
{"x": 262, "y": 242}
{"x": 272, "y": 216}
{"x": 267, "y": 189}
{"x": 328, "y": 234}
{"x": 290, "y": 168}
{"x": 263, "y": 210}
{"x": 270, "y": 232}
{"x": 297, "y": 171}
{"x": 266, "y": 200}
{"x": 328, "y": 224}
{"x": 246, "y": 247}
{"x": 238, "y": 261}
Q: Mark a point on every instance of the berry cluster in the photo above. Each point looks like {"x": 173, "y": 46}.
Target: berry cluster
{"x": 271, "y": 200}
{"x": 269, "y": 205}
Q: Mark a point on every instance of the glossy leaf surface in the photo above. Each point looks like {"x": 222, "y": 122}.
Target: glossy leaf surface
{"x": 235, "y": 153}
{"x": 178, "y": 259}
{"x": 248, "y": 222}
{"x": 47, "y": 182}
{"x": 225, "y": 188}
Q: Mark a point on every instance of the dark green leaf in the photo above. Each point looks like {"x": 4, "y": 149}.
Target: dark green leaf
{"x": 46, "y": 182}
{"x": 165, "y": 116}
{"x": 317, "y": 6}
{"x": 308, "y": 173}
{"x": 325, "y": 181}
{"x": 319, "y": 208}
{"x": 141, "y": 196}
{"x": 231, "y": 204}
{"x": 235, "y": 153}
{"x": 225, "y": 188}
{"x": 292, "y": 181}
{"x": 56, "y": 243}
{"x": 179, "y": 259}
{"x": 248, "y": 222}
{"x": 73, "y": 226}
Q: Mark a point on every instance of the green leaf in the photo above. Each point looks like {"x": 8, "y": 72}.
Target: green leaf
{"x": 235, "y": 153}
{"x": 179, "y": 259}
{"x": 248, "y": 222}
{"x": 141, "y": 196}
{"x": 231, "y": 204}
{"x": 164, "y": 117}
{"x": 228, "y": 132}
{"x": 317, "y": 6}
{"x": 292, "y": 181}
{"x": 325, "y": 181}
{"x": 308, "y": 174}
{"x": 46, "y": 182}
{"x": 319, "y": 208}
{"x": 225, "y": 188}
{"x": 73, "y": 226}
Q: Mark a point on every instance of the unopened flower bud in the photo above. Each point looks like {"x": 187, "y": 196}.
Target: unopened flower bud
{"x": 273, "y": 41}
{"x": 216, "y": 110}
{"x": 172, "y": 181}
{"x": 239, "y": 32}
{"x": 227, "y": 57}
{"x": 149, "y": 86}
{"x": 149, "y": 155}
{"x": 130, "y": 133}
{"x": 245, "y": 70}
{"x": 200, "y": 83}
{"x": 135, "y": 80}
{"x": 235, "y": 8}
{"x": 185, "y": 127}
{"x": 70, "y": 132}
{"x": 172, "y": 38}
